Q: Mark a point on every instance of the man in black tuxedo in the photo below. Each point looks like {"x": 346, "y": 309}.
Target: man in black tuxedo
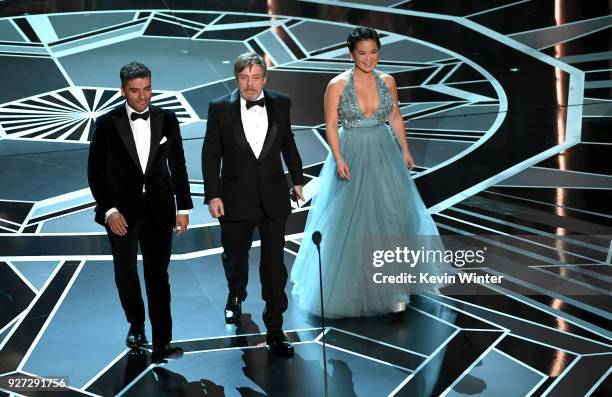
{"x": 136, "y": 169}
{"x": 247, "y": 131}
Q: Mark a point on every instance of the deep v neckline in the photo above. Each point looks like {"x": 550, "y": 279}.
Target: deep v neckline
{"x": 357, "y": 97}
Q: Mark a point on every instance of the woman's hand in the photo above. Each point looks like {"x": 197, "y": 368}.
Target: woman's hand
{"x": 343, "y": 169}
{"x": 408, "y": 160}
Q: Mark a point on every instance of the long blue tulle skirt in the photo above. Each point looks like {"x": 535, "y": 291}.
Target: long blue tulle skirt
{"x": 381, "y": 199}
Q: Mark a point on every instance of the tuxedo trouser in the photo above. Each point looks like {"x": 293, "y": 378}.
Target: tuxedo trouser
{"x": 155, "y": 245}
{"x": 236, "y": 238}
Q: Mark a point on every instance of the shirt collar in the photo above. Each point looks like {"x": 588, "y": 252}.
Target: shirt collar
{"x": 243, "y": 101}
{"x": 130, "y": 110}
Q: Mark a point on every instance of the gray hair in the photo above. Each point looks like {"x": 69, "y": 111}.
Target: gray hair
{"x": 247, "y": 60}
{"x": 133, "y": 70}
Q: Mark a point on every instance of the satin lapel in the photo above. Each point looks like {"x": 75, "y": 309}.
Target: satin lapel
{"x": 125, "y": 132}
{"x": 272, "y": 126}
{"x": 237, "y": 123}
{"x": 157, "y": 127}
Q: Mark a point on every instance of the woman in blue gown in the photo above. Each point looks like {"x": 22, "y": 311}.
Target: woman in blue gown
{"x": 365, "y": 190}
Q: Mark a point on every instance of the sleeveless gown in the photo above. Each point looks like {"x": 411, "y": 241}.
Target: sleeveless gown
{"x": 380, "y": 199}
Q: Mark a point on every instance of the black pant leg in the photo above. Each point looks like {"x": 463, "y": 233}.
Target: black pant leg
{"x": 272, "y": 271}
{"x": 236, "y": 239}
{"x": 156, "y": 247}
{"x": 125, "y": 250}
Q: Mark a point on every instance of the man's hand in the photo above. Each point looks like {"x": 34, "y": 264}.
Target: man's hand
{"x": 215, "y": 207}
{"x": 298, "y": 192}
{"x": 182, "y": 220}
{"x": 117, "y": 224}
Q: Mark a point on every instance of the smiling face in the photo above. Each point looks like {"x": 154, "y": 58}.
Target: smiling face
{"x": 251, "y": 81}
{"x": 365, "y": 55}
{"x": 137, "y": 93}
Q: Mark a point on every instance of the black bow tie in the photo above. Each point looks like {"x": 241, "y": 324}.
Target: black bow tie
{"x": 260, "y": 102}
{"x": 135, "y": 116}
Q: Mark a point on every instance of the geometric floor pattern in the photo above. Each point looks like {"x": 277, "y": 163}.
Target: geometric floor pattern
{"x": 508, "y": 110}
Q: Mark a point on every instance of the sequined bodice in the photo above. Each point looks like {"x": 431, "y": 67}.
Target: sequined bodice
{"x": 350, "y": 113}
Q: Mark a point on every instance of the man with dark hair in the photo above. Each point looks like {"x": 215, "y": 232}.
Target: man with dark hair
{"x": 248, "y": 131}
{"x": 136, "y": 170}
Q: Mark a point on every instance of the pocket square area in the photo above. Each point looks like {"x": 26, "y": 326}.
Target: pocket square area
{"x": 164, "y": 139}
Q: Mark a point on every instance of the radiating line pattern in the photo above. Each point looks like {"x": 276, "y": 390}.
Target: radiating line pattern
{"x": 69, "y": 114}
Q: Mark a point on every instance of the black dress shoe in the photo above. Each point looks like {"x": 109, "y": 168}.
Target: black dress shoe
{"x": 166, "y": 352}
{"x": 136, "y": 338}
{"x": 280, "y": 344}
{"x": 233, "y": 308}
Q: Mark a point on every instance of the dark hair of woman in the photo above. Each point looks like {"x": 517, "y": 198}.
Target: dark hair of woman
{"x": 361, "y": 33}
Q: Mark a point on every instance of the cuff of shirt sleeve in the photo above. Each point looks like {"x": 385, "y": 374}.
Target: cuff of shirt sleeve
{"x": 184, "y": 212}
{"x": 109, "y": 213}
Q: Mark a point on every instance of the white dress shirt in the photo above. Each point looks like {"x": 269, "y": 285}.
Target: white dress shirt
{"x": 255, "y": 124}
{"x": 141, "y": 131}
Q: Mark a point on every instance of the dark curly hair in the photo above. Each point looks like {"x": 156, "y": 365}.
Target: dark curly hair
{"x": 133, "y": 70}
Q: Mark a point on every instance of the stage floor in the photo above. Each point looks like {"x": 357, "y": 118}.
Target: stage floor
{"x": 508, "y": 109}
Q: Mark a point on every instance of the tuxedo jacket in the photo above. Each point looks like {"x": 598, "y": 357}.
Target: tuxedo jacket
{"x": 231, "y": 170}
{"x": 115, "y": 175}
